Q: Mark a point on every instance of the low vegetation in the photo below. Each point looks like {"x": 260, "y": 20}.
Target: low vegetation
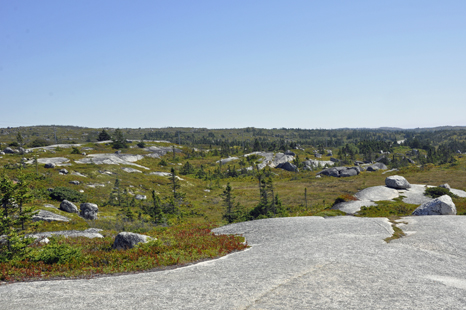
{"x": 197, "y": 192}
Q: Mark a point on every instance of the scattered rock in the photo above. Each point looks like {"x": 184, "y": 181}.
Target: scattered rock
{"x": 377, "y": 166}
{"x": 446, "y": 185}
{"x": 49, "y": 165}
{"x": 287, "y": 166}
{"x": 442, "y": 205}
{"x": 131, "y": 170}
{"x": 226, "y": 160}
{"x": 74, "y": 182}
{"x": 47, "y": 205}
{"x": 207, "y": 190}
{"x": 112, "y": 159}
{"x": 68, "y": 206}
{"x": 89, "y": 211}
{"x": 290, "y": 153}
{"x": 160, "y": 174}
{"x": 63, "y": 171}
{"x": 377, "y": 193}
{"x": 140, "y": 197}
{"x": 340, "y": 172}
{"x": 9, "y": 150}
{"x": 397, "y": 182}
{"x": 88, "y": 233}
{"x": 127, "y": 240}
{"x": 78, "y": 174}
{"x": 48, "y": 216}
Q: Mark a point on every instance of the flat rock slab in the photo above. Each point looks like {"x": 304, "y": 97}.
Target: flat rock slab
{"x": 415, "y": 194}
{"x": 88, "y": 233}
{"x": 377, "y": 193}
{"x": 458, "y": 192}
{"x": 59, "y": 161}
{"x": 351, "y": 207}
{"x": 112, "y": 159}
{"x": 294, "y": 263}
{"x": 44, "y": 215}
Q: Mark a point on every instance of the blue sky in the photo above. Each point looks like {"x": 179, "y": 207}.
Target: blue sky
{"x": 232, "y": 64}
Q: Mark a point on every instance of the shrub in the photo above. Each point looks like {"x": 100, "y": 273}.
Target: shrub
{"x": 141, "y": 144}
{"x": 75, "y": 150}
{"x": 438, "y": 191}
{"x": 13, "y": 144}
{"x": 39, "y": 142}
{"x": 65, "y": 193}
{"x": 344, "y": 198}
{"x": 56, "y": 253}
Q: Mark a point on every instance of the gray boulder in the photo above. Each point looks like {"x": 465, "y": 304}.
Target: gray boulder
{"x": 377, "y": 166}
{"x": 349, "y": 173}
{"x": 287, "y": 166}
{"x": 377, "y": 193}
{"x": 446, "y": 185}
{"x": 290, "y": 153}
{"x": 332, "y": 159}
{"x": 75, "y": 182}
{"x": 48, "y": 216}
{"x": 442, "y": 205}
{"x": 397, "y": 182}
{"x": 89, "y": 211}
{"x": 9, "y": 150}
{"x": 63, "y": 171}
{"x": 127, "y": 240}
{"x": 140, "y": 197}
{"x": 68, "y": 206}
{"x": 49, "y": 165}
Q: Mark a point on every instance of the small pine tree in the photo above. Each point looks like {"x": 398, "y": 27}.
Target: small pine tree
{"x": 154, "y": 210}
{"x": 119, "y": 141}
{"x": 104, "y": 136}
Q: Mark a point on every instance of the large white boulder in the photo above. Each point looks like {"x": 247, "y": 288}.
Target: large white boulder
{"x": 397, "y": 181}
{"x": 442, "y": 205}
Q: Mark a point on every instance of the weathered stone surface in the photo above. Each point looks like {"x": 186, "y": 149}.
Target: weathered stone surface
{"x": 89, "y": 211}
{"x": 340, "y": 171}
{"x": 49, "y": 165}
{"x": 57, "y": 161}
{"x": 140, "y": 197}
{"x": 48, "y": 216}
{"x": 9, "y": 150}
{"x": 290, "y": 153}
{"x": 63, "y": 171}
{"x": 47, "y": 205}
{"x": 377, "y": 193}
{"x": 74, "y": 182}
{"x": 442, "y": 205}
{"x": 446, "y": 185}
{"x": 377, "y": 166}
{"x": 112, "y": 159}
{"x": 351, "y": 207}
{"x": 226, "y": 160}
{"x": 287, "y": 166}
{"x": 160, "y": 174}
{"x": 78, "y": 174}
{"x": 68, "y": 206}
{"x": 88, "y": 233}
{"x": 415, "y": 194}
{"x": 397, "y": 182}
{"x": 458, "y": 192}
{"x": 127, "y": 240}
{"x": 131, "y": 170}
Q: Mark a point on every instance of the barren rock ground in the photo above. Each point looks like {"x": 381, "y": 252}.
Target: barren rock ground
{"x": 293, "y": 263}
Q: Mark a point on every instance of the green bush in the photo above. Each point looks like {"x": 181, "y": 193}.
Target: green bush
{"x": 39, "y": 142}
{"x": 141, "y": 144}
{"x": 56, "y": 253}
{"x": 65, "y": 193}
{"x": 438, "y": 191}
{"x": 75, "y": 150}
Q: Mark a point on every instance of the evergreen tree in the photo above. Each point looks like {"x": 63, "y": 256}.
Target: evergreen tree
{"x": 119, "y": 141}
{"x": 187, "y": 169}
{"x": 104, "y": 136}
{"x": 154, "y": 210}
{"x": 115, "y": 194}
{"x": 233, "y": 212}
{"x": 15, "y": 218}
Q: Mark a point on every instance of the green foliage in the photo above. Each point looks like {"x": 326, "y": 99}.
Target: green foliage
{"x": 234, "y": 212}
{"x": 104, "y": 136}
{"x": 187, "y": 169}
{"x": 13, "y": 144}
{"x": 163, "y": 162}
{"x": 154, "y": 210}
{"x": 388, "y": 209}
{"x": 119, "y": 140}
{"x": 141, "y": 144}
{"x": 56, "y": 252}
{"x": 344, "y": 198}
{"x": 64, "y": 193}
{"x": 15, "y": 218}
{"x": 438, "y": 191}
{"x": 38, "y": 142}
{"x": 75, "y": 150}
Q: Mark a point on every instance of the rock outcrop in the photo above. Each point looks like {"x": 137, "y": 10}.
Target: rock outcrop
{"x": 68, "y": 206}
{"x": 89, "y": 211}
{"x": 287, "y": 166}
{"x": 377, "y": 166}
{"x": 340, "y": 172}
{"x": 48, "y": 216}
{"x": 397, "y": 182}
{"x": 127, "y": 240}
{"x": 442, "y": 205}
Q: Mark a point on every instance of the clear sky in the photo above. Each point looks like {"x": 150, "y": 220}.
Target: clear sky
{"x": 225, "y": 64}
